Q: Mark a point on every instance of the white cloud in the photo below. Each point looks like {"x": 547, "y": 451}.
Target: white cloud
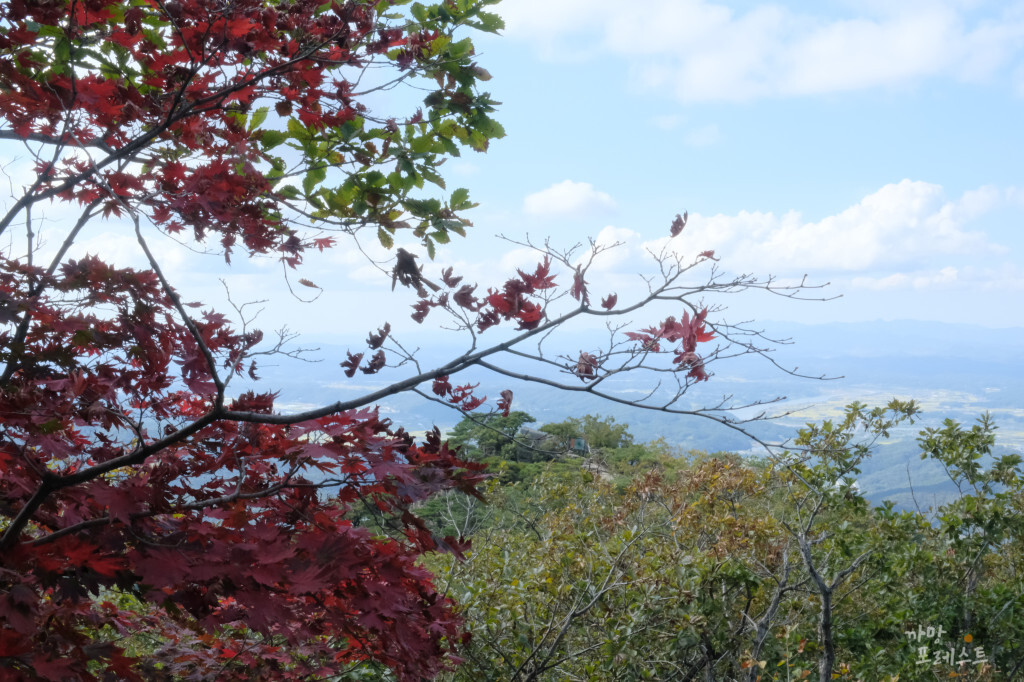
{"x": 978, "y": 202}
{"x": 520, "y": 257}
{"x": 611, "y": 235}
{"x": 544, "y": 19}
{"x": 941, "y": 279}
{"x": 114, "y": 242}
{"x": 901, "y": 223}
{"x": 702, "y": 50}
{"x": 945, "y": 277}
{"x": 896, "y": 280}
{"x": 1001, "y": 279}
{"x": 568, "y": 198}
{"x": 620, "y": 246}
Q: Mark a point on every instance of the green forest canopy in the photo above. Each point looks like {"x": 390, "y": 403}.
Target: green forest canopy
{"x": 674, "y": 565}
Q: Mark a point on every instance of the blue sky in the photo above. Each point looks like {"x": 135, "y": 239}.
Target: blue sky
{"x": 874, "y": 145}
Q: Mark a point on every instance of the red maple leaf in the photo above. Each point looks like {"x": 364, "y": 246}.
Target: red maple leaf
{"x": 505, "y": 403}
{"x": 678, "y": 224}
{"x": 450, "y": 281}
{"x": 579, "y": 288}
{"x": 464, "y": 298}
{"x": 352, "y": 364}
{"x": 587, "y": 366}
{"x": 376, "y": 363}
{"x": 541, "y": 278}
{"x": 442, "y": 386}
{"x": 529, "y": 315}
{"x": 375, "y": 341}
{"x": 421, "y": 308}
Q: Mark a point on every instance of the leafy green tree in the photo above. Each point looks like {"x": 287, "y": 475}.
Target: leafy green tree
{"x": 982, "y": 530}
{"x": 725, "y": 568}
{"x": 579, "y": 582}
{"x": 488, "y": 435}
{"x": 564, "y": 432}
{"x": 880, "y": 573}
{"x": 597, "y": 431}
{"x": 603, "y": 432}
{"x": 828, "y": 513}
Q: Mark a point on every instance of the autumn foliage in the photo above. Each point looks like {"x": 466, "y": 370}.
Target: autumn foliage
{"x": 140, "y": 495}
{"x": 135, "y": 494}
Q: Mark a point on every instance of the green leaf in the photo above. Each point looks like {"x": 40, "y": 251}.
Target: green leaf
{"x": 461, "y": 48}
{"x": 288, "y": 191}
{"x": 336, "y": 202}
{"x": 61, "y": 54}
{"x": 492, "y": 129}
{"x": 478, "y": 141}
{"x": 422, "y": 208}
{"x": 438, "y": 44}
{"x": 490, "y": 22}
{"x": 422, "y": 144}
{"x": 433, "y": 177}
{"x": 272, "y": 138}
{"x": 258, "y": 117}
{"x": 349, "y": 129}
{"x": 313, "y": 178}
{"x": 460, "y": 198}
{"x": 401, "y": 182}
{"x": 297, "y": 130}
{"x": 385, "y": 239}
{"x": 449, "y": 146}
{"x": 375, "y": 178}
{"x": 155, "y": 38}
{"x": 419, "y": 12}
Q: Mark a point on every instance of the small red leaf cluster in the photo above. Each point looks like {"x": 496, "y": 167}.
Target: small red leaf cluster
{"x": 377, "y": 360}
{"x": 511, "y": 302}
{"x": 505, "y": 403}
{"x": 460, "y": 396}
{"x": 587, "y": 366}
{"x": 688, "y": 332}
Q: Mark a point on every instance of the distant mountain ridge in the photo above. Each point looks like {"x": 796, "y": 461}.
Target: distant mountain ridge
{"x": 954, "y": 370}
